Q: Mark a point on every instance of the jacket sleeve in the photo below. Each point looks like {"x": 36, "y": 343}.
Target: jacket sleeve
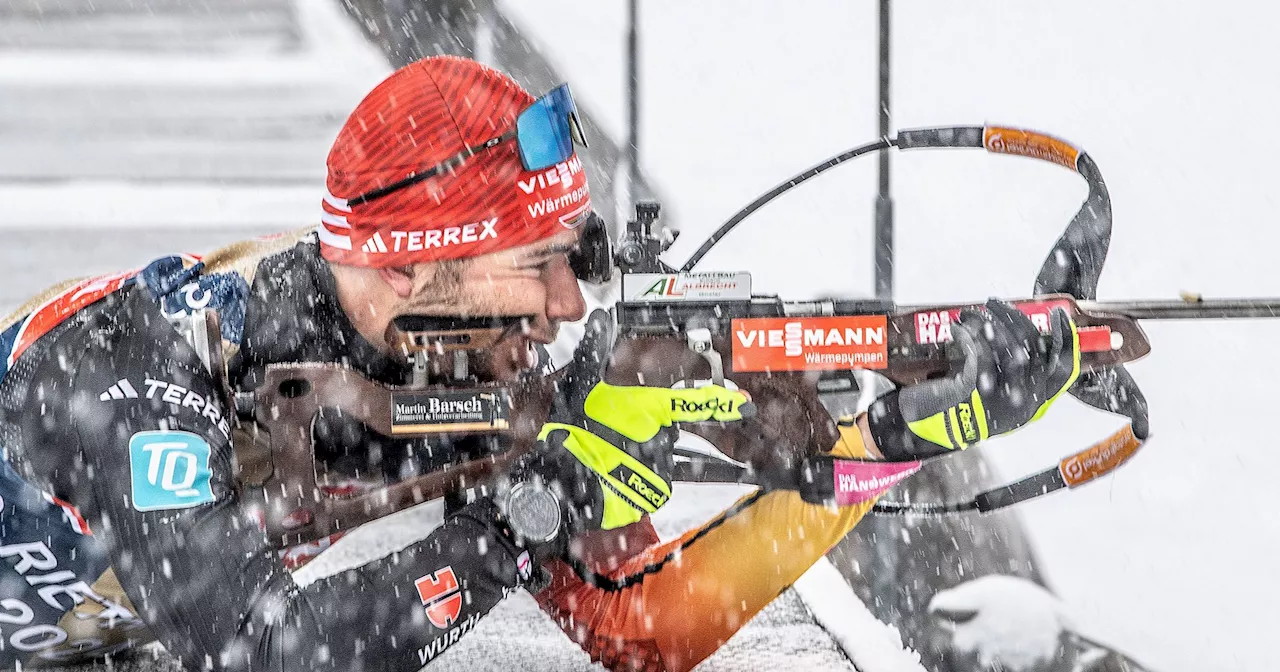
{"x": 671, "y": 619}
{"x": 156, "y": 483}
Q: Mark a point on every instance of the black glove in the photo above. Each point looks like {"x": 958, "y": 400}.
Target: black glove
{"x": 1004, "y": 374}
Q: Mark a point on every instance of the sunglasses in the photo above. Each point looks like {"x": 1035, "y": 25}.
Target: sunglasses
{"x": 545, "y": 133}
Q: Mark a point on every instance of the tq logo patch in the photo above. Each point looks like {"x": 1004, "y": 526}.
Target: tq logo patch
{"x": 170, "y": 470}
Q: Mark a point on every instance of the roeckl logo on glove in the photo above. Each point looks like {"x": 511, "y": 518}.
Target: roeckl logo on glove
{"x": 639, "y": 485}
{"x": 710, "y": 405}
{"x": 965, "y": 412}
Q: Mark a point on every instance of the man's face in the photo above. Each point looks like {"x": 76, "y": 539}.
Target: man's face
{"x": 533, "y": 280}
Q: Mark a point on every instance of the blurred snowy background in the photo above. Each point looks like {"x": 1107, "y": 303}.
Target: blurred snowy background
{"x": 133, "y": 128}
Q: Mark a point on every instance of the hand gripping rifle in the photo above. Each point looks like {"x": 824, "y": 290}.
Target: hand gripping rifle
{"x": 320, "y": 449}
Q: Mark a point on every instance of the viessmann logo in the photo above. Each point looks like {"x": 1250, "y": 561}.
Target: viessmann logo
{"x": 569, "y": 202}
{"x": 810, "y": 343}
{"x": 562, "y": 174}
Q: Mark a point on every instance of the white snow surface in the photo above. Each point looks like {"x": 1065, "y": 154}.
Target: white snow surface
{"x": 517, "y": 634}
{"x": 873, "y": 646}
{"x": 1172, "y": 558}
{"x": 1015, "y": 623}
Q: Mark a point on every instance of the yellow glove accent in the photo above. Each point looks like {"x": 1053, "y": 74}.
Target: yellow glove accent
{"x": 957, "y": 427}
{"x": 631, "y": 488}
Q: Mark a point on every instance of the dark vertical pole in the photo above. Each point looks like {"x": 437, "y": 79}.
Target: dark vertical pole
{"x": 886, "y": 581}
{"x": 884, "y": 201}
{"x": 633, "y": 104}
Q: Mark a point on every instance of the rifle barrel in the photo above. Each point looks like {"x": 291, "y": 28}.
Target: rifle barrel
{"x": 1203, "y": 309}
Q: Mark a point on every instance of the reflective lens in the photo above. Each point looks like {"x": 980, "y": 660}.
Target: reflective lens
{"x": 546, "y": 130}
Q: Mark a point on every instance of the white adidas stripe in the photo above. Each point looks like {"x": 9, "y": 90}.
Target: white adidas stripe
{"x": 336, "y": 221}
{"x": 332, "y": 239}
{"x": 374, "y": 244}
{"x": 339, "y": 204}
{"x": 121, "y": 390}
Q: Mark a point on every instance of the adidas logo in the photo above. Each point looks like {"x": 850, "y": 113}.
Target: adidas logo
{"x": 121, "y": 390}
{"x": 374, "y": 244}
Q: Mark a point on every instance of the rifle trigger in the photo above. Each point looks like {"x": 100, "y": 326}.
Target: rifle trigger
{"x": 699, "y": 341}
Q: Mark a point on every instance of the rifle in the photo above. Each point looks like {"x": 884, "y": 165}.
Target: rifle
{"x": 709, "y": 326}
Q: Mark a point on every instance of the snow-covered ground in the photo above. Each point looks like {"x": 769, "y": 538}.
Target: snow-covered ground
{"x": 819, "y": 624}
{"x": 1172, "y": 559}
